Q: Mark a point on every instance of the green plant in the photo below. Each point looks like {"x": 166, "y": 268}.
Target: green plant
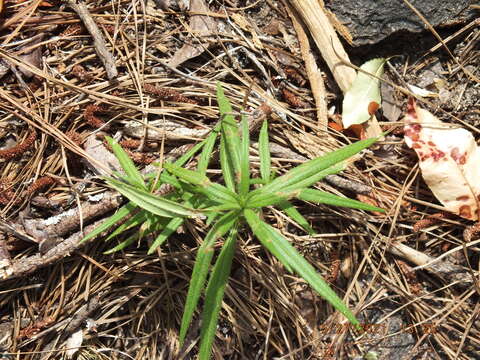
{"x": 227, "y": 208}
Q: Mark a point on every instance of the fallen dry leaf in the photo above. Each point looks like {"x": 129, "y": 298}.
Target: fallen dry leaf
{"x": 363, "y": 98}
{"x": 95, "y": 148}
{"x": 449, "y": 160}
{"x": 200, "y": 25}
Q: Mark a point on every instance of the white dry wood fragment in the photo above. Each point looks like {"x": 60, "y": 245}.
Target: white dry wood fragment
{"x": 327, "y": 41}
{"x": 96, "y": 197}
{"x": 329, "y": 45}
{"x": 449, "y": 159}
{"x": 160, "y": 129}
{"x": 27, "y": 265}
{"x": 99, "y": 42}
{"x": 54, "y": 220}
{"x": 421, "y": 92}
{"x": 200, "y": 25}
{"x": 59, "y": 225}
{"x": 73, "y": 343}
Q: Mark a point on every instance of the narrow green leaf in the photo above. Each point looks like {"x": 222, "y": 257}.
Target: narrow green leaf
{"x": 207, "y": 150}
{"x": 219, "y": 208}
{"x": 244, "y": 158}
{"x": 134, "y": 176}
{"x": 293, "y": 213}
{"x": 257, "y": 181}
{"x": 226, "y": 165}
{"x": 229, "y": 132}
{"x": 155, "y": 204}
{"x": 135, "y": 220}
{"x": 277, "y": 244}
{"x": 171, "y": 227}
{"x": 130, "y": 240}
{"x": 364, "y": 91}
{"x": 192, "y": 177}
{"x": 261, "y": 198}
{"x": 306, "y": 183}
{"x": 112, "y": 220}
{"x": 182, "y": 160}
{"x": 264, "y": 152}
{"x": 214, "y": 191}
{"x": 211, "y": 216}
{"x": 258, "y": 230}
{"x": 214, "y": 295}
{"x": 200, "y": 269}
{"x": 314, "y": 166}
{"x": 322, "y": 197}
{"x": 224, "y": 105}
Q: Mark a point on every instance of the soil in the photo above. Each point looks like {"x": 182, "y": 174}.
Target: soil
{"x": 60, "y": 98}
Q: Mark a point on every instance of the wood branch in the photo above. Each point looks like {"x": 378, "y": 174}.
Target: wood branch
{"x": 327, "y": 41}
{"x": 313, "y": 73}
{"x": 444, "y": 269}
{"x": 64, "y": 223}
{"x": 98, "y": 41}
{"x": 30, "y": 264}
{"x": 67, "y": 222}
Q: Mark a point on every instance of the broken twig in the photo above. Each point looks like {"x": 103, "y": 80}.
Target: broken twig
{"x": 99, "y": 42}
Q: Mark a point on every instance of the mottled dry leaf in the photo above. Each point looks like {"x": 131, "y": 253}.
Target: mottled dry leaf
{"x": 449, "y": 160}
{"x": 200, "y": 25}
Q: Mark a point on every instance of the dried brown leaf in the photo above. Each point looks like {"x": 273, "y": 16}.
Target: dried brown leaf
{"x": 200, "y": 25}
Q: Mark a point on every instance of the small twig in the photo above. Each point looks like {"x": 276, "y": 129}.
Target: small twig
{"x": 327, "y": 40}
{"x": 99, "y": 42}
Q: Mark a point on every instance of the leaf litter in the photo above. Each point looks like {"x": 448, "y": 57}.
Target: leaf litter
{"x": 266, "y": 311}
